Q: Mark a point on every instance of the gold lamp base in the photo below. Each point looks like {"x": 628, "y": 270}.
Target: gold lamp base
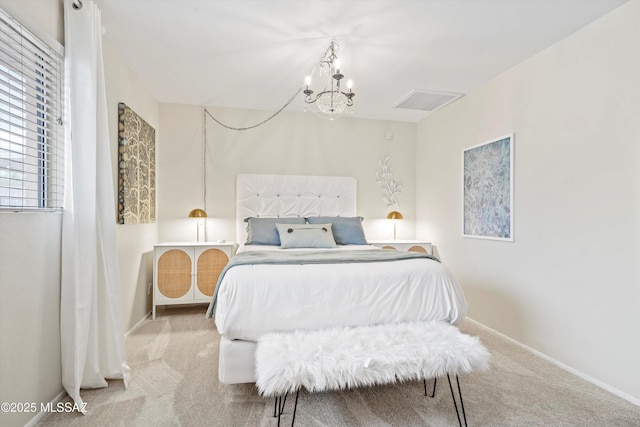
{"x": 394, "y": 215}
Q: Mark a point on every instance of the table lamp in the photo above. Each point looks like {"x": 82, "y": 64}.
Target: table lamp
{"x": 197, "y": 214}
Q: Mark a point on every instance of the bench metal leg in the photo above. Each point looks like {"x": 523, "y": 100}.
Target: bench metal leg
{"x": 433, "y": 393}
{"x": 464, "y": 415}
{"x": 295, "y": 408}
{"x": 279, "y": 404}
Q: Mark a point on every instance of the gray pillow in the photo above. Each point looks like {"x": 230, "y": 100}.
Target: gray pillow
{"x": 263, "y": 231}
{"x": 306, "y": 236}
{"x": 346, "y": 230}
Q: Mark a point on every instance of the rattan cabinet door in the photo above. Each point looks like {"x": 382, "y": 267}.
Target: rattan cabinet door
{"x": 174, "y": 275}
{"x": 210, "y": 263}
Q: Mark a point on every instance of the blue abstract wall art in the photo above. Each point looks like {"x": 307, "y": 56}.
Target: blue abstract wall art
{"x": 488, "y": 190}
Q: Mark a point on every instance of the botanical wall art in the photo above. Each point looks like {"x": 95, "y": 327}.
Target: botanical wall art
{"x": 488, "y": 190}
{"x": 136, "y": 168}
{"x": 390, "y": 188}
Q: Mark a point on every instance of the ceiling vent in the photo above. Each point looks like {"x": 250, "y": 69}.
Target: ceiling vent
{"x": 427, "y": 100}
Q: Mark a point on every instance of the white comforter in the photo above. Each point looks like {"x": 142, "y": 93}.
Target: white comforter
{"x": 256, "y": 299}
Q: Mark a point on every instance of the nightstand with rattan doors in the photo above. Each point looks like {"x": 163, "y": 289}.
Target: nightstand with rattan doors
{"x": 187, "y": 273}
{"x": 404, "y": 245}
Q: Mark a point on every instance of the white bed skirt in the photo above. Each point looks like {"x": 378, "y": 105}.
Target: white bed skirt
{"x": 237, "y": 361}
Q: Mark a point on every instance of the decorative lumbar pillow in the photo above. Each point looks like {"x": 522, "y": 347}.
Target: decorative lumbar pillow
{"x": 263, "y": 231}
{"x": 306, "y": 236}
{"x": 346, "y": 230}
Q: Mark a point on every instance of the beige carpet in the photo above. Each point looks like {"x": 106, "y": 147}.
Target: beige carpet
{"x": 174, "y": 362}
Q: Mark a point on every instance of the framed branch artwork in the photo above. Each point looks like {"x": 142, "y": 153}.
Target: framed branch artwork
{"x": 488, "y": 190}
{"x": 136, "y": 168}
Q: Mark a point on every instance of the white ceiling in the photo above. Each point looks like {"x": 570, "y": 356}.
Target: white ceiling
{"x": 254, "y": 54}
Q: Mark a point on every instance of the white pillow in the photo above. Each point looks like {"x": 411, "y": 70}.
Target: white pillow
{"x": 306, "y": 236}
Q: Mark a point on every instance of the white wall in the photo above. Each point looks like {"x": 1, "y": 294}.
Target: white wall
{"x": 30, "y": 273}
{"x": 297, "y": 144}
{"x": 135, "y": 242}
{"x": 569, "y": 286}
{"x": 29, "y": 310}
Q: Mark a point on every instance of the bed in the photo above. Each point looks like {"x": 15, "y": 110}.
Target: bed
{"x": 295, "y": 275}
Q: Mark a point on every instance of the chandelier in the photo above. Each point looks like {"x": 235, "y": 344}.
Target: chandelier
{"x": 330, "y": 101}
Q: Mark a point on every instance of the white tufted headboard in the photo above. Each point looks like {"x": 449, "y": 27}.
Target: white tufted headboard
{"x": 292, "y": 195}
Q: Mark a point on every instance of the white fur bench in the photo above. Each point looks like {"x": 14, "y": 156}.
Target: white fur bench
{"x": 335, "y": 359}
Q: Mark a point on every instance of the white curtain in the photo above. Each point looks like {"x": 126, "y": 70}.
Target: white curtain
{"x": 91, "y": 322}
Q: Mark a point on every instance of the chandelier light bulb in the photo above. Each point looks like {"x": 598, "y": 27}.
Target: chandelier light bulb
{"x": 349, "y": 84}
{"x": 307, "y": 80}
{"x": 338, "y": 65}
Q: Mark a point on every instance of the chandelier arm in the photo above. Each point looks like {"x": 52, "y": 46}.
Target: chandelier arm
{"x": 257, "y": 124}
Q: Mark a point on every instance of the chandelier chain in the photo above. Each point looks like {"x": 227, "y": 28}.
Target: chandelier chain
{"x": 204, "y": 169}
{"x": 328, "y": 58}
{"x": 257, "y": 124}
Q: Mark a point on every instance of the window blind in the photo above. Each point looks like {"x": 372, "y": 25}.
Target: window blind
{"x": 31, "y": 110}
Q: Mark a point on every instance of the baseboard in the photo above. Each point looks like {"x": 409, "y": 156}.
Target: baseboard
{"x": 40, "y": 415}
{"x": 567, "y": 368}
{"x": 137, "y": 325}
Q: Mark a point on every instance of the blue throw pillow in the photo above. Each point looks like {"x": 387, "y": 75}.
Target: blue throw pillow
{"x": 306, "y": 236}
{"x": 346, "y": 230}
{"x": 263, "y": 231}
